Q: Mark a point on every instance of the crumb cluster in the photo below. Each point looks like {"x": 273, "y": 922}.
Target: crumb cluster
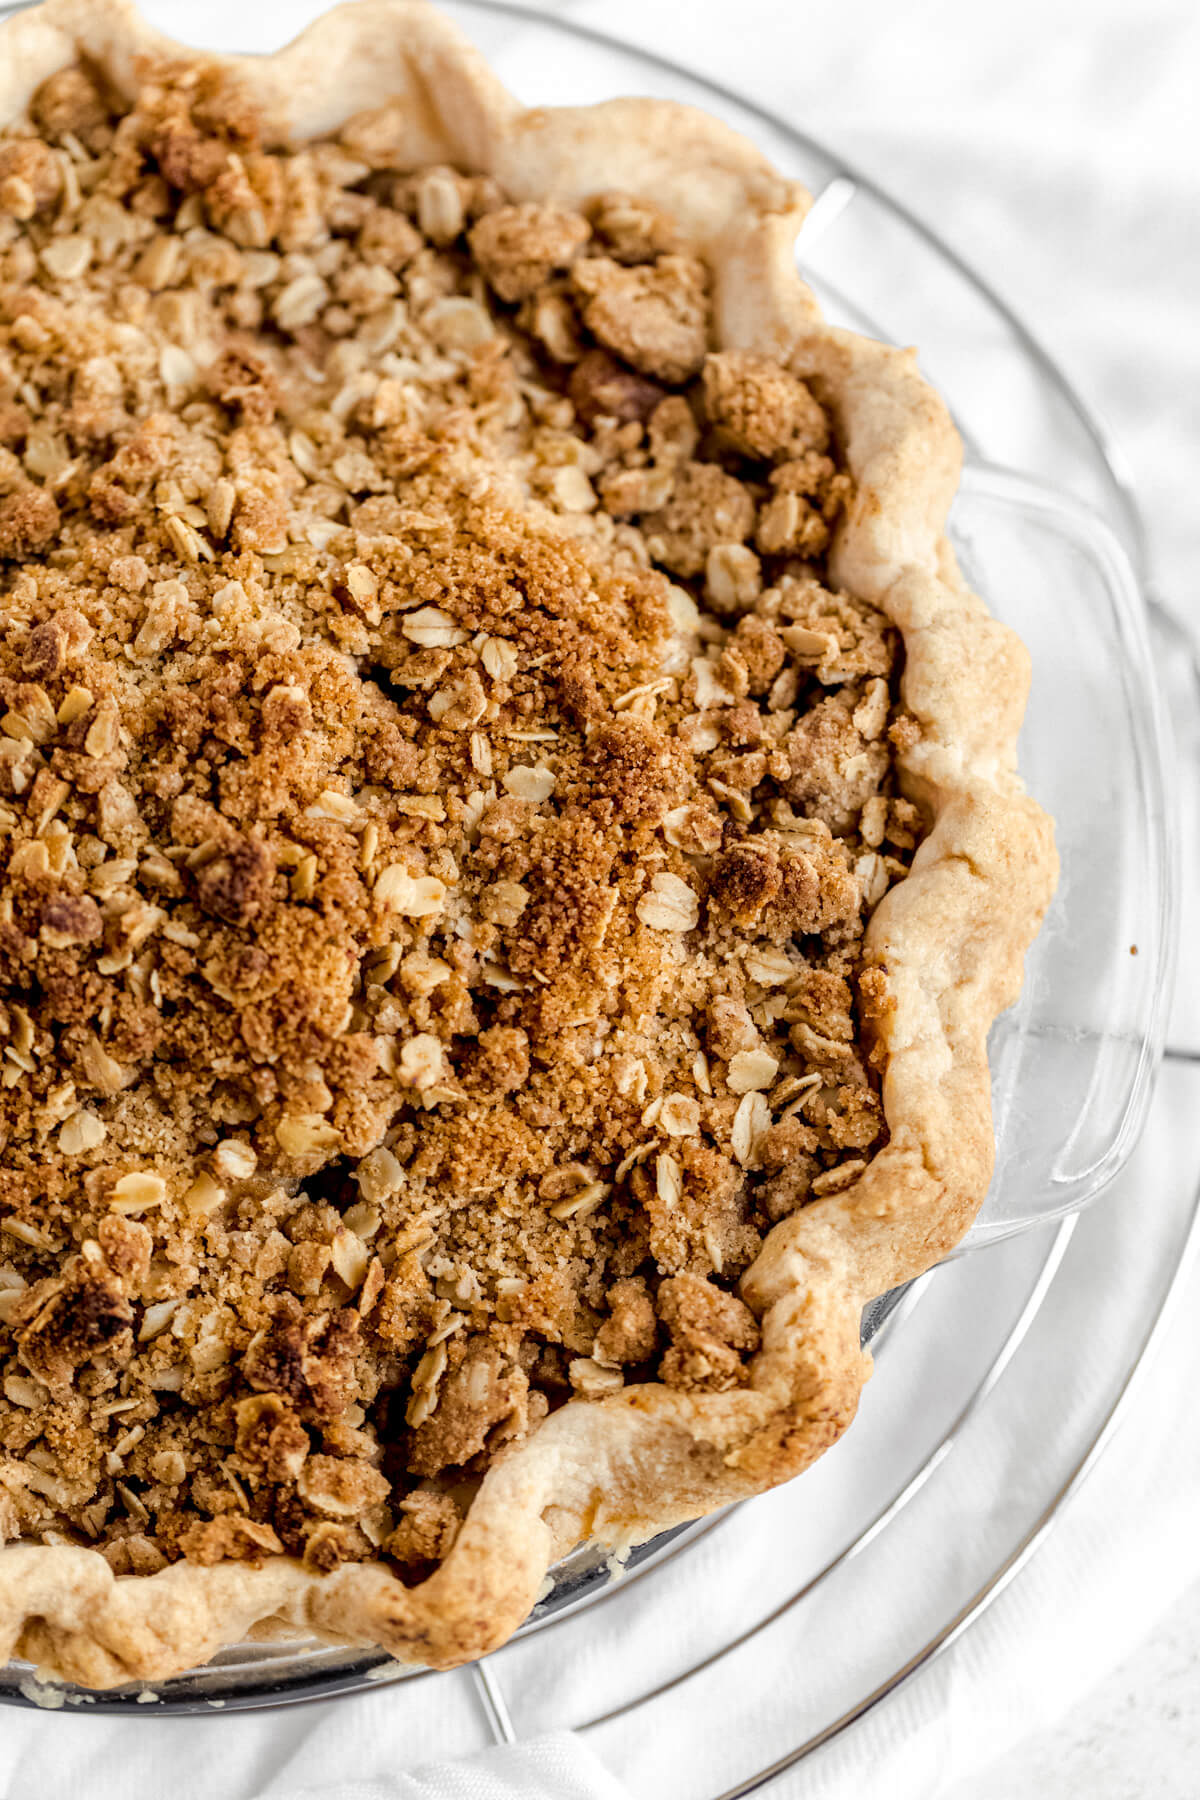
{"x": 440, "y": 801}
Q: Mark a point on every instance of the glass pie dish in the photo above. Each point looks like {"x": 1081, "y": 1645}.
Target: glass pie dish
{"x": 1082, "y": 1043}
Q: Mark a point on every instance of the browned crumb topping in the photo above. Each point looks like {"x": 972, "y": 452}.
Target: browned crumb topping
{"x": 440, "y": 799}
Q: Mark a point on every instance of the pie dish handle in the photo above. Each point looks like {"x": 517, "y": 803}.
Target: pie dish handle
{"x": 1073, "y": 1062}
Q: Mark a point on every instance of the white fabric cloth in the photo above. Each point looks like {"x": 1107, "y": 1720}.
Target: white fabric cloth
{"x": 97, "y": 1763}
{"x": 558, "y": 1766}
{"x": 1056, "y": 148}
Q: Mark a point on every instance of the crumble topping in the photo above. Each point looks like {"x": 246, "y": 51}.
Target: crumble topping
{"x": 440, "y": 801}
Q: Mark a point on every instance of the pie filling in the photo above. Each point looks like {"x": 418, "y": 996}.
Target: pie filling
{"x": 440, "y": 801}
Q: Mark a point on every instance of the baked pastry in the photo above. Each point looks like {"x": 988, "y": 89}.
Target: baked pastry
{"x": 511, "y": 840}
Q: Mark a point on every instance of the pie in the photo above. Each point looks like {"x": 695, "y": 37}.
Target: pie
{"x": 510, "y": 840}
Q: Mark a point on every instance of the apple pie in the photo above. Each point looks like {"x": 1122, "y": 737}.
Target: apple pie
{"x": 510, "y": 841}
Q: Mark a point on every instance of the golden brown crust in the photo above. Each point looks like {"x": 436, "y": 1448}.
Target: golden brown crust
{"x": 946, "y": 943}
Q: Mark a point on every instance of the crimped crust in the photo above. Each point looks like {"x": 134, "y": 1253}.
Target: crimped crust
{"x": 948, "y": 941}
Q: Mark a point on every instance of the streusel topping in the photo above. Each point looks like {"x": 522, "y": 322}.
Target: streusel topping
{"x": 440, "y": 801}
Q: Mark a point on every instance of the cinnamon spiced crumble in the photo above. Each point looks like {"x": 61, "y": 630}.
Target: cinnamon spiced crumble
{"x": 440, "y": 801}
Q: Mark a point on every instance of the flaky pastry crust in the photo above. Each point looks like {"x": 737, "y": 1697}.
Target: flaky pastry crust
{"x": 948, "y": 941}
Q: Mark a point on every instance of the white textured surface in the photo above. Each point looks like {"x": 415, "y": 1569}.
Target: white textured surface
{"x": 1135, "y": 1737}
{"x": 1051, "y": 145}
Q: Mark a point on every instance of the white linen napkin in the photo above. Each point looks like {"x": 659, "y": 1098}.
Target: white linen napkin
{"x": 45, "y": 1756}
{"x": 558, "y": 1766}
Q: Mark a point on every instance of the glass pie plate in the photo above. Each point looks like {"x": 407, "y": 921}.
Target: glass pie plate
{"x": 1046, "y": 531}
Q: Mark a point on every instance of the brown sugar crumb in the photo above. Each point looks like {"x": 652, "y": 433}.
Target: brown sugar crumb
{"x": 229, "y": 1538}
{"x": 517, "y": 247}
{"x": 70, "y": 101}
{"x": 834, "y": 767}
{"x": 707, "y": 507}
{"x": 28, "y": 521}
{"x": 429, "y": 1523}
{"x": 441, "y": 797}
{"x": 483, "y": 1392}
{"x": 630, "y": 229}
{"x": 630, "y": 1332}
{"x": 710, "y": 1331}
{"x": 653, "y": 316}
{"x": 63, "y": 1322}
{"x": 760, "y": 409}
